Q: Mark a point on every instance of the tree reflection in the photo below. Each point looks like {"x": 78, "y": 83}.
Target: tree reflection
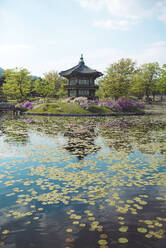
{"x": 145, "y": 134}
{"x": 15, "y": 131}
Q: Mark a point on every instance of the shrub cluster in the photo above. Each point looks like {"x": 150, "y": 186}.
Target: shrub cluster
{"x": 123, "y": 104}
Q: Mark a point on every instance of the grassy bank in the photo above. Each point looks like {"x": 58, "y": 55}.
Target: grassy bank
{"x": 68, "y": 108}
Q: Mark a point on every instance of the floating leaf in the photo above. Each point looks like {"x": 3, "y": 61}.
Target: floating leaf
{"x": 103, "y": 236}
{"x": 5, "y": 231}
{"x": 148, "y": 235}
{"x": 141, "y": 229}
{"x": 123, "y": 240}
{"x": 123, "y": 229}
{"x": 75, "y": 222}
{"x": 102, "y": 242}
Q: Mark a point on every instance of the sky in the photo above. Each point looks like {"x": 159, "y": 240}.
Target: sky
{"x": 46, "y": 35}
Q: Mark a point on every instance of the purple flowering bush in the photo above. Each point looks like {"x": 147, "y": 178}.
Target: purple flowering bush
{"x": 123, "y": 104}
{"x": 85, "y": 103}
{"x": 28, "y": 105}
{"x": 109, "y": 104}
{"x": 126, "y": 104}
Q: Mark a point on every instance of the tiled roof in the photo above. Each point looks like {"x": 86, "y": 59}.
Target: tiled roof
{"x": 81, "y": 68}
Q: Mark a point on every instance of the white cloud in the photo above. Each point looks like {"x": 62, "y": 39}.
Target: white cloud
{"x": 161, "y": 11}
{"x": 122, "y": 25}
{"x": 121, "y": 8}
{"x": 159, "y": 44}
{"x": 91, "y": 4}
{"x": 126, "y": 11}
{"x": 8, "y": 48}
{"x": 153, "y": 52}
{"x": 100, "y": 59}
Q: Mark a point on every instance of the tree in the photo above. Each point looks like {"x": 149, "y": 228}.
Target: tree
{"x": 150, "y": 76}
{"x": 137, "y": 88}
{"x": 2, "y": 80}
{"x": 17, "y": 83}
{"x": 52, "y": 84}
{"x": 161, "y": 84}
{"x": 42, "y": 88}
{"x": 53, "y": 78}
{"x": 118, "y": 79}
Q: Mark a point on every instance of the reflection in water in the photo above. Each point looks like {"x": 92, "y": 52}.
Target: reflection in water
{"x": 126, "y": 134}
{"x": 14, "y": 132}
{"x": 81, "y": 140}
{"x": 107, "y": 195}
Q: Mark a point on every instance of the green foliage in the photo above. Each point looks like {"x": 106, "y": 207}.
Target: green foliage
{"x": 51, "y": 85}
{"x": 43, "y": 88}
{"x": 2, "y": 97}
{"x": 17, "y": 83}
{"x": 137, "y": 87}
{"x": 56, "y": 83}
{"x": 161, "y": 84}
{"x": 148, "y": 77}
{"x": 118, "y": 79}
{"x": 68, "y": 108}
{"x": 59, "y": 108}
{"x": 99, "y": 109}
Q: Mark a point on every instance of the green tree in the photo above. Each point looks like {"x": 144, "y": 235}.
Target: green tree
{"x": 53, "y": 78}
{"x": 161, "y": 84}
{"x": 42, "y": 88}
{"x": 51, "y": 85}
{"x": 118, "y": 79}
{"x": 150, "y": 76}
{"x": 2, "y": 97}
{"x": 17, "y": 83}
{"x": 145, "y": 80}
{"x": 137, "y": 88}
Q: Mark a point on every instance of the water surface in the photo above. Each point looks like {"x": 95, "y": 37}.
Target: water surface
{"x": 83, "y": 182}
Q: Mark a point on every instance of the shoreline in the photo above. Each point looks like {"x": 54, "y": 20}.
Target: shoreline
{"x": 88, "y": 115}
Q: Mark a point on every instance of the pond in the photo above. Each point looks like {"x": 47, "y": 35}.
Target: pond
{"x": 83, "y": 182}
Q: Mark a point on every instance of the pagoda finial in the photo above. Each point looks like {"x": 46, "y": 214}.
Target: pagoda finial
{"x": 81, "y": 59}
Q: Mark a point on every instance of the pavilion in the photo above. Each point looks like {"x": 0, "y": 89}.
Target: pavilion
{"x": 81, "y": 80}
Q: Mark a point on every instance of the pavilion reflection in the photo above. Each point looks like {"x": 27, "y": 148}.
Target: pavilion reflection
{"x": 81, "y": 140}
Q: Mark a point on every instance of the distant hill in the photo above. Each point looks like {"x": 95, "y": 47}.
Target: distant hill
{"x": 1, "y": 71}
{"x": 34, "y": 77}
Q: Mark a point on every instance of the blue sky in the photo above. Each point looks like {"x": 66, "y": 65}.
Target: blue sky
{"x": 45, "y": 35}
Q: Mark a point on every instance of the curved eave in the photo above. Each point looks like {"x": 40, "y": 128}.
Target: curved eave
{"x": 95, "y": 74}
{"x": 80, "y": 70}
{"x": 89, "y": 87}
